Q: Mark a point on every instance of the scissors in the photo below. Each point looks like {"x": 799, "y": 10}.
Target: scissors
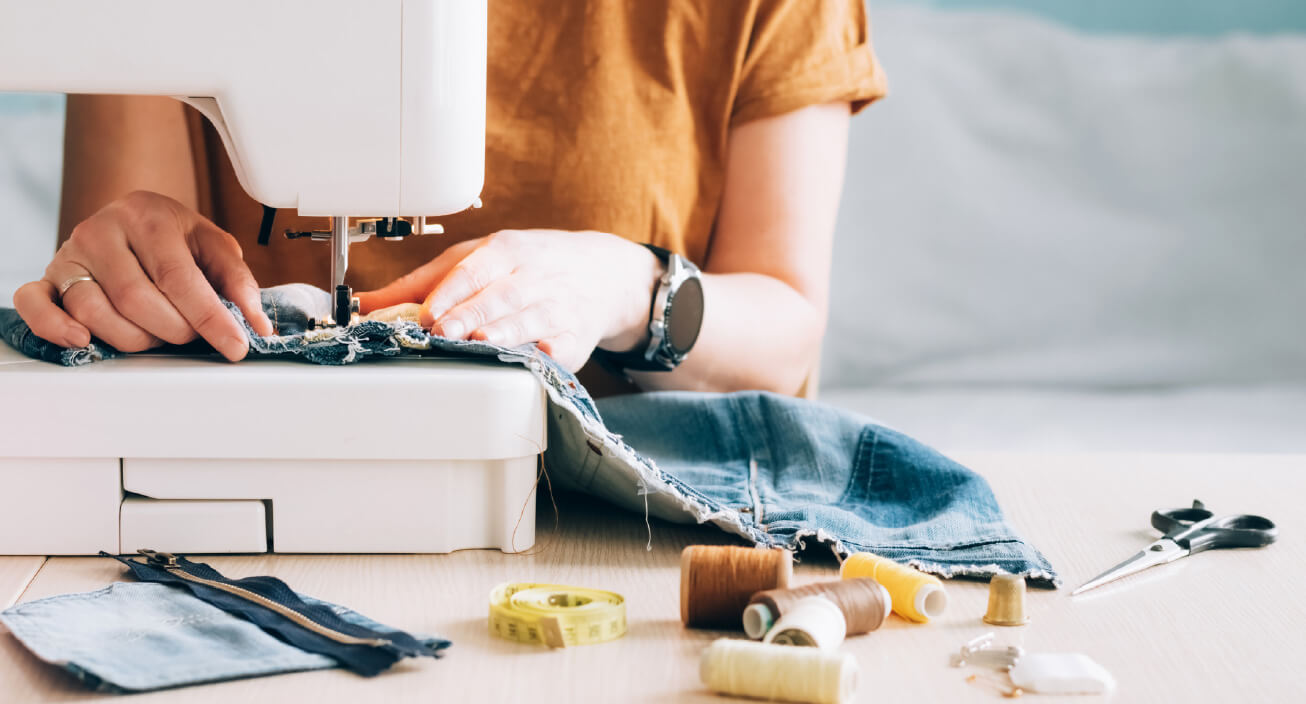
{"x": 1189, "y": 531}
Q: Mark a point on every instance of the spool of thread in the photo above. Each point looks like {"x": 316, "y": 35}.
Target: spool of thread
{"x": 813, "y": 622}
{"x": 865, "y": 604}
{"x": 747, "y": 668}
{"x": 716, "y": 581}
{"x": 916, "y": 596}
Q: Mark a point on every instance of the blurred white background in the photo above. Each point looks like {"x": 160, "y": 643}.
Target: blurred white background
{"x": 1071, "y": 226}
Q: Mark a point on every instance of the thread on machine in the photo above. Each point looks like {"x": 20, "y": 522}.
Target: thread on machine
{"x": 865, "y": 604}
{"x": 779, "y": 673}
{"x": 716, "y": 581}
{"x": 915, "y": 595}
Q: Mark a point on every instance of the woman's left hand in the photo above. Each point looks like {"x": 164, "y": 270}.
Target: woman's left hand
{"x": 568, "y": 291}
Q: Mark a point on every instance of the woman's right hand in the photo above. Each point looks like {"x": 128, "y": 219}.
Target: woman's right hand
{"x": 157, "y": 269}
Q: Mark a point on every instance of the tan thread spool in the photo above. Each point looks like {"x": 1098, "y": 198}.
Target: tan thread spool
{"x": 716, "y": 581}
{"x": 865, "y": 604}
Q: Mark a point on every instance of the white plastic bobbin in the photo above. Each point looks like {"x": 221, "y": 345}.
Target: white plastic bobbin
{"x": 813, "y": 621}
{"x": 758, "y": 620}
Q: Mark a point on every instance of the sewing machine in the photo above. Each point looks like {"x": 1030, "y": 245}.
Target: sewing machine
{"x": 370, "y": 113}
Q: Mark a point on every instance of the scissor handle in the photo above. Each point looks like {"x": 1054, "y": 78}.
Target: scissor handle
{"x": 1176, "y": 520}
{"x": 1196, "y": 529}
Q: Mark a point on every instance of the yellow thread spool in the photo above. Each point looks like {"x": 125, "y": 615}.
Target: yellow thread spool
{"x": 916, "y": 596}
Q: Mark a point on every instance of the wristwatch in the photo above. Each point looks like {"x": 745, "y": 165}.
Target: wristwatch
{"x": 674, "y": 322}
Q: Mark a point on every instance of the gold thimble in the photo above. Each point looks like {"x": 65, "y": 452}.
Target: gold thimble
{"x": 1006, "y": 601}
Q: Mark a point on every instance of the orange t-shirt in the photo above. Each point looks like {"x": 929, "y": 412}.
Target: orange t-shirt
{"x": 609, "y": 116}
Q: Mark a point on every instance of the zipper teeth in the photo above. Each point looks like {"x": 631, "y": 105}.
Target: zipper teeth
{"x": 301, "y": 619}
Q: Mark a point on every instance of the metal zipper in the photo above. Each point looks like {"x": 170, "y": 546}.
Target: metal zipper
{"x": 168, "y": 561}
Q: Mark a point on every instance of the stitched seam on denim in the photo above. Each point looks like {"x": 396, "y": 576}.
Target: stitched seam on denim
{"x": 29, "y": 629}
{"x": 797, "y": 528}
{"x": 758, "y": 516}
{"x": 939, "y": 548}
{"x": 881, "y": 480}
{"x": 860, "y": 463}
{"x": 746, "y": 411}
{"x": 196, "y": 675}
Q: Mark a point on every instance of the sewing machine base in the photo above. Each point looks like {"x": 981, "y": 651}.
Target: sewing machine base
{"x": 201, "y": 456}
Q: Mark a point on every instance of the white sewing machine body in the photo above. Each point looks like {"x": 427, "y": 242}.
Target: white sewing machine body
{"x": 198, "y": 455}
{"x": 331, "y": 107}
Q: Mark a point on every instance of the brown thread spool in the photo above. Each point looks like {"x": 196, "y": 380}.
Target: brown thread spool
{"x": 865, "y": 604}
{"x": 716, "y": 581}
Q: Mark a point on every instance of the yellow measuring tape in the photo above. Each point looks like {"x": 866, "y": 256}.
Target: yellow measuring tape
{"x": 555, "y": 615}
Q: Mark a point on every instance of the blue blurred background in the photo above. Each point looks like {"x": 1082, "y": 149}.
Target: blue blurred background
{"x": 1162, "y": 17}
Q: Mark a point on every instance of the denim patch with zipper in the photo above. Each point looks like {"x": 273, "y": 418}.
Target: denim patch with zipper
{"x": 136, "y": 637}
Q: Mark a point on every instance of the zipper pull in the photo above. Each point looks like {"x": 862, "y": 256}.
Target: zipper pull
{"x": 165, "y": 560}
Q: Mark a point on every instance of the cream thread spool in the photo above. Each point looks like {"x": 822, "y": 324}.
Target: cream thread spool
{"x": 916, "y": 596}
{"x": 865, "y": 604}
{"x": 716, "y": 581}
{"x": 778, "y": 673}
{"x": 813, "y": 622}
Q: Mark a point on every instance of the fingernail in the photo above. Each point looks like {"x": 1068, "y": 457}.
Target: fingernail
{"x": 236, "y": 346}
{"x": 451, "y": 329}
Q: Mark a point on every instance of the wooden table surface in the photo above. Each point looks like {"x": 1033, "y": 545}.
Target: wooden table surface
{"x": 1224, "y": 626}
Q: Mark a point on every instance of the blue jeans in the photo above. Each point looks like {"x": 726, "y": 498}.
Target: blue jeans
{"x": 775, "y": 470}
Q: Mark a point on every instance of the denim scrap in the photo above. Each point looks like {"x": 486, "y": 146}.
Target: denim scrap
{"x": 775, "y": 470}
{"x": 20, "y": 337}
{"x": 366, "y": 660}
{"x": 135, "y": 637}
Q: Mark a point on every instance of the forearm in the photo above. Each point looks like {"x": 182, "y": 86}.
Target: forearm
{"x": 758, "y": 333}
{"x": 114, "y": 145}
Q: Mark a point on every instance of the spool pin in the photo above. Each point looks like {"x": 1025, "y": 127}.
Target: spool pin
{"x": 865, "y": 604}
{"x": 916, "y": 596}
{"x": 716, "y": 581}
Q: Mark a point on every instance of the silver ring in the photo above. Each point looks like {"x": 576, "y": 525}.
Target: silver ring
{"x": 63, "y": 287}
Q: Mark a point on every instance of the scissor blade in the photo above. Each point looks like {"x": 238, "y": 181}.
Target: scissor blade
{"x": 1158, "y": 553}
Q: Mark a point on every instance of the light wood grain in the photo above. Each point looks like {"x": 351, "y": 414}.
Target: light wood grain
{"x": 1220, "y": 627}
{"x": 15, "y": 574}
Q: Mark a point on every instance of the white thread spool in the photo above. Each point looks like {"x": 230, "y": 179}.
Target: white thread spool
{"x": 812, "y": 621}
{"x": 779, "y": 673}
{"x": 758, "y": 620}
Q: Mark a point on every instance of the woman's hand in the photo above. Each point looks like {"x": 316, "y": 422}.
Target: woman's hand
{"x": 156, "y": 268}
{"x": 568, "y": 291}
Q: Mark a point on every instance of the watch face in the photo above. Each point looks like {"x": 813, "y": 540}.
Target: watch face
{"x": 687, "y": 317}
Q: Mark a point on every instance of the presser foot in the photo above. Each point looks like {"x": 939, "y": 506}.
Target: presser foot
{"x": 345, "y": 308}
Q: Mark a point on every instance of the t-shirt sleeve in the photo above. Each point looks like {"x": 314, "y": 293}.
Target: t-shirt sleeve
{"x": 807, "y": 52}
